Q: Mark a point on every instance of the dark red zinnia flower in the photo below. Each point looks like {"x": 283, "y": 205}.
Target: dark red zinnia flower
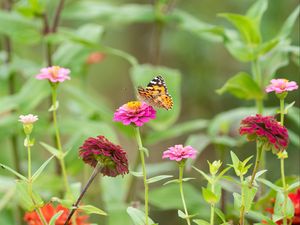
{"x": 48, "y": 211}
{"x": 267, "y": 130}
{"x": 112, "y": 157}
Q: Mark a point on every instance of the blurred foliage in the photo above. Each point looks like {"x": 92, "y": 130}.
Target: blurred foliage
{"x": 183, "y": 42}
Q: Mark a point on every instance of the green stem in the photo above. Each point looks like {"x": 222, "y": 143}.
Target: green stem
{"x": 181, "y": 167}
{"x": 282, "y": 165}
{"x": 212, "y": 206}
{"x": 38, "y": 210}
{"x": 242, "y": 211}
{"x": 58, "y": 142}
{"x": 259, "y": 150}
{"x": 140, "y": 146}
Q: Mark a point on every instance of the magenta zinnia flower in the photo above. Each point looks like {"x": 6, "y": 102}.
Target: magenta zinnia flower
{"x": 112, "y": 157}
{"x": 54, "y": 74}
{"x": 267, "y": 130}
{"x": 178, "y": 153}
{"x": 135, "y": 112}
{"x": 281, "y": 85}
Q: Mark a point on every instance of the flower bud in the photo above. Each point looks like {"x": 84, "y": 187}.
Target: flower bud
{"x": 214, "y": 167}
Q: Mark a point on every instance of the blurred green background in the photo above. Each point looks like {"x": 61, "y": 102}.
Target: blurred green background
{"x": 88, "y": 101}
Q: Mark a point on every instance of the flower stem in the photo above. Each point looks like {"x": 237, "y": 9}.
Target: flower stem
{"x": 38, "y": 210}
{"x": 75, "y": 205}
{"x": 259, "y": 150}
{"x": 140, "y": 146}
{"x": 58, "y": 142}
{"x": 181, "y": 167}
{"x": 282, "y": 165}
{"x": 242, "y": 211}
{"x": 212, "y": 206}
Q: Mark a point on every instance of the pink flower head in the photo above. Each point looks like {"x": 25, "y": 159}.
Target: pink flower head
{"x": 281, "y": 85}
{"x": 112, "y": 157}
{"x": 178, "y": 153}
{"x": 135, "y": 112}
{"x": 54, "y": 74}
{"x": 28, "y": 119}
{"x": 267, "y": 130}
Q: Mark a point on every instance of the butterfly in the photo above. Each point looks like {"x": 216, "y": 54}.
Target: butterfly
{"x": 156, "y": 94}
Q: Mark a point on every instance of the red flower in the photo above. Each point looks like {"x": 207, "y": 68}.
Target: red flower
{"x": 100, "y": 150}
{"x": 49, "y": 211}
{"x": 295, "y": 198}
{"x": 267, "y": 130}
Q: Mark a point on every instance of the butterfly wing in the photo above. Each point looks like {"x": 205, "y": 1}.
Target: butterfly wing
{"x": 156, "y": 94}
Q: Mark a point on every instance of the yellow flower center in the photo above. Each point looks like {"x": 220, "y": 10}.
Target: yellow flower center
{"x": 283, "y": 85}
{"x": 134, "y": 105}
{"x": 54, "y": 71}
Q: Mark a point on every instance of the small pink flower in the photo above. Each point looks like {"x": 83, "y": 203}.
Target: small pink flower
{"x": 178, "y": 153}
{"x": 54, "y": 74}
{"x": 281, "y": 85}
{"x": 135, "y": 112}
{"x": 28, "y": 119}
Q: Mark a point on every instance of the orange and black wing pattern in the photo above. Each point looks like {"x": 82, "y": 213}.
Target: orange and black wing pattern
{"x": 156, "y": 94}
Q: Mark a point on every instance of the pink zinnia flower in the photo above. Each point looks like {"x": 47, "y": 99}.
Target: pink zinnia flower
{"x": 178, "y": 153}
{"x": 267, "y": 130}
{"x": 135, "y": 112}
{"x": 54, "y": 74}
{"x": 112, "y": 157}
{"x": 281, "y": 85}
{"x": 28, "y": 119}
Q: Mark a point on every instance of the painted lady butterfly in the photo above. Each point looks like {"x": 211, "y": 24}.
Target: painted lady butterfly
{"x": 156, "y": 94}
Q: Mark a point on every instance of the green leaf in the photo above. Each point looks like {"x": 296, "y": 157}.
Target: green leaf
{"x": 158, "y": 178}
{"x": 52, "y": 150}
{"x": 181, "y": 214}
{"x": 235, "y": 163}
{"x": 220, "y": 214}
{"x": 270, "y": 184}
{"x": 176, "y": 131}
{"x": 201, "y": 222}
{"x": 90, "y": 209}
{"x": 41, "y": 169}
{"x": 279, "y": 209}
{"x": 171, "y": 181}
{"x": 242, "y": 86}
{"x": 247, "y": 27}
{"x": 137, "y": 216}
{"x": 289, "y": 106}
{"x": 108, "y": 13}
{"x": 13, "y": 171}
{"x": 237, "y": 201}
{"x": 185, "y": 21}
{"x": 136, "y": 174}
{"x": 55, "y": 217}
{"x": 209, "y": 196}
{"x": 19, "y": 28}
{"x": 287, "y": 27}
{"x": 25, "y": 199}
{"x": 249, "y": 194}
{"x": 208, "y": 178}
{"x": 257, "y": 10}
{"x": 293, "y": 186}
{"x": 142, "y": 74}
